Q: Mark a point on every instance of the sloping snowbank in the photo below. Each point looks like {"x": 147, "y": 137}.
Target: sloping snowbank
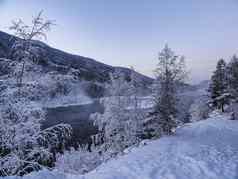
{"x": 206, "y": 149}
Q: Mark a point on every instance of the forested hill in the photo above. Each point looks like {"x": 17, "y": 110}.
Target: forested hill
{"x": 90, "y": 69}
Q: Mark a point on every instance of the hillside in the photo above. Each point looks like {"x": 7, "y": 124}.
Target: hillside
{"x": 52, "y": 58}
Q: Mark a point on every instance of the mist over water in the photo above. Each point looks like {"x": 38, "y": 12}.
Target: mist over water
{"x": 76, "y": 96}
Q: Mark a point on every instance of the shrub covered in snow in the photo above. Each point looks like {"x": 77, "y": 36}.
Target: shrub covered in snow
{"x": 78, "y": 161}
{"x": 23, "y": 146}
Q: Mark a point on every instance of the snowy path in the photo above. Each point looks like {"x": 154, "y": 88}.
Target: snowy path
{"x": 203, "y": 150}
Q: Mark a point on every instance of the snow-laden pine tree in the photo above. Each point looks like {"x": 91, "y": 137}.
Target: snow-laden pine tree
{"x": 232, "y": 75}
{"x": 170, "y": 73}
{"x": 219, "y": 85}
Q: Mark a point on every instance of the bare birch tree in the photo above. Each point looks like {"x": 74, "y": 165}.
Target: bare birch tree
{"x": 23, "y": 47}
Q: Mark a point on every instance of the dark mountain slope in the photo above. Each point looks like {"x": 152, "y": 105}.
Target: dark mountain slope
{"x": 52, "y": 58}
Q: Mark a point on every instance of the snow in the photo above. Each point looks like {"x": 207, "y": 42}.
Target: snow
{"x": 206, "y": 149}
{"x": 146, "y": 102}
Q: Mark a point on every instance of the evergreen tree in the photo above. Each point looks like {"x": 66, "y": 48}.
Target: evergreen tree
{"x": 219, "y": 85}
{"x": 232, "y": 75}
{"x": 170, "y": 72}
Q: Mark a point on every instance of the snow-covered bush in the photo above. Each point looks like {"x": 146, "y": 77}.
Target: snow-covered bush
{"x": 5, "y": 66}
{"x": 24, "y": 147}
{"x": 20, "y": 122}
{"x": 233, "y": 110}
{"x": 55, "y": 138}
{"x": 78, "y": 161}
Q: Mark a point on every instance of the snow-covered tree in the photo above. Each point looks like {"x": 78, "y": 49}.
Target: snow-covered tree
{"x": 232, "y": 75}
{"x": 112, "y": 122}
{"x": 219, "y": 85}
{"x": 137, "y": 113}
{"x": 170, "y": 72}
{"x": 23, "y": 48}
{"x": 24, "y": 146}
{"x": 120, "y": 124}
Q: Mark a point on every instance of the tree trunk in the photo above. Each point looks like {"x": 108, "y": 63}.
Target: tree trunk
{"x": 21, "y": 77}
{"x": 222, "y": 108}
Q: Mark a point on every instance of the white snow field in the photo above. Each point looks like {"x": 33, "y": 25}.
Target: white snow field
{"x": 203, "y": 150}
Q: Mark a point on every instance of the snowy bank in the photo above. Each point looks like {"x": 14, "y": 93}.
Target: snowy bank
{"x": 206, "y": 149}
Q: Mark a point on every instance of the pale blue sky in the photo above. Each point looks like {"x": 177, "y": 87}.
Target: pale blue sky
{"x": 131, "y": 32}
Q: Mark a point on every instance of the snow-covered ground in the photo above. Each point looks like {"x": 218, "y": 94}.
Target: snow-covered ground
{"x": 203, "y": 150}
